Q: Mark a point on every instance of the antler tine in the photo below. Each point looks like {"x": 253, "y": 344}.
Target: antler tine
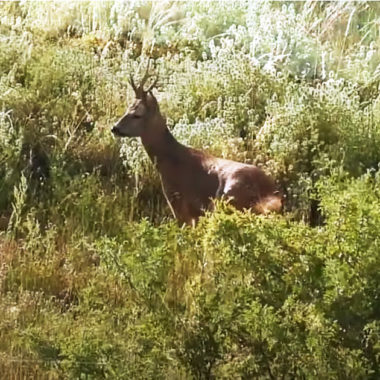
{"x": 131, "y": 81}
{"x": 150, "y": 88}
{"x": 146, "y": 75}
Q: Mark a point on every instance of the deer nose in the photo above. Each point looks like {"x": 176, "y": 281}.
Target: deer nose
{"x": 114, "y": 130}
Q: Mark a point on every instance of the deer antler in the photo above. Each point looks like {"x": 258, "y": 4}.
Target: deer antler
{"x": 131, "y": 81}
{"x": 140, "y": 88}
{"x": 150, "y": 88}
{"x": 146, "y": 76}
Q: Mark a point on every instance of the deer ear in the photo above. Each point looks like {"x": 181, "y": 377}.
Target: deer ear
{"x": 153, "y": 101}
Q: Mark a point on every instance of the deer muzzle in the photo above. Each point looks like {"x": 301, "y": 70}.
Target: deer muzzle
{"x": 115, "y": 131}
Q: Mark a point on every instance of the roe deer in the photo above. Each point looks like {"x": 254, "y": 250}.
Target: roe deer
{"x": 191, "y": 178}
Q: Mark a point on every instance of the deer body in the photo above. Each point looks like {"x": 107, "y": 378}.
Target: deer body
{"x": 191, "y": 178}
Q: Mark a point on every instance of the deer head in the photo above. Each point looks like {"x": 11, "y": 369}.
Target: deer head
{"x": 138, "y": 118}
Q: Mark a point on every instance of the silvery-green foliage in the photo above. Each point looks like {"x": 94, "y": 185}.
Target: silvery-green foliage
{"x": 135, "y": 158}
{"x": 9, "y": 140}
{"x": 213, "y": 135}
{"x": 10, "y": 150}
{"x": 278, "y": 41}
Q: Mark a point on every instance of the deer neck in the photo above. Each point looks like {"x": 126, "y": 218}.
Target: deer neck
{"x": 161, "y": 145}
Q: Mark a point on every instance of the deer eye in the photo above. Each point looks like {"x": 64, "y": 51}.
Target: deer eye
{"x": 136, "y": 116}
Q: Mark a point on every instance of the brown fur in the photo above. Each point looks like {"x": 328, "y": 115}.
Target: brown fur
{"x": 191, "y": 178}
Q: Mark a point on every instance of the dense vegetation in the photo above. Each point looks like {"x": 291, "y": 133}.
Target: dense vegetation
{"x": 96, "y": 278}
